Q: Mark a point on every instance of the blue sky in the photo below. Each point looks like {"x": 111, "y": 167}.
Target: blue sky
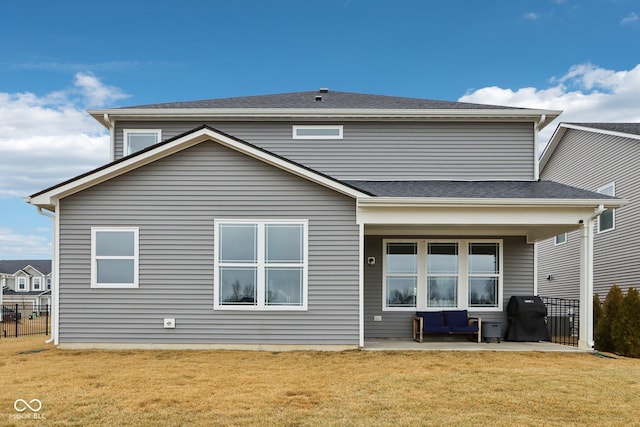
{"x": 59, "y": 58}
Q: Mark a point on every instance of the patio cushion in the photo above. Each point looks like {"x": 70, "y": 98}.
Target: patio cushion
{"x": 456, "y": 318}
{"x": 432, "y": 322}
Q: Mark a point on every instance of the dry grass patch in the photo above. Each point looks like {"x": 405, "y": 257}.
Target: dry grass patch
{"x": 314, "y": 388}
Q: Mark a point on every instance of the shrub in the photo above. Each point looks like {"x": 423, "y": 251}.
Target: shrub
{"x": 604, "y": 333}
{"x": 626, "y": 327}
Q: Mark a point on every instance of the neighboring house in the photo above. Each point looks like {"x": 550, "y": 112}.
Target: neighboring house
{"x": 601, "y": 157}
{"x": 26, "y": 282}
{"x": 303, "y": 220}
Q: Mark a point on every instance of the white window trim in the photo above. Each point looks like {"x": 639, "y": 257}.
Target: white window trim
{"x": 555, "y": 239}
{"x": 125, "y": 137}
{"x": 463, "y": 275}
{"x": 261, "y": 280}
{"x": 338, "y": 127}
{"x": 33, "y": 283}
{"x": 94, "y": 258}
{"x": 613, "y": 185}
{"x": 26, "y": 284}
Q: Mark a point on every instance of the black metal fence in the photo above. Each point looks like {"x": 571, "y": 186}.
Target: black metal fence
{"x": 563, "y": 320}
{"x": 24, "y": 319}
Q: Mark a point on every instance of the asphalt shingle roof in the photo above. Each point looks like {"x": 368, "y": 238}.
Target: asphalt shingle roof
{"x": 630, "y": 128}
{"x": 329, "y": 99}
{"x": 476, "y": 189}
{"x": 11, "y": 266}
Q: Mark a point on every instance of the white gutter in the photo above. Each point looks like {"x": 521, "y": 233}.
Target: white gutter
{"x": 54, "y": 276}
{"x": 482, "y": 202}
{"x": 480, "y": 114}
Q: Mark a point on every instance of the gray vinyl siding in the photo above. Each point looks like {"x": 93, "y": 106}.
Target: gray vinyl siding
{"x": 383, "y": 151}
{"x": 174, "y": 202}
{"x": 517, "y": 280}
{"x": 591, "y": 160}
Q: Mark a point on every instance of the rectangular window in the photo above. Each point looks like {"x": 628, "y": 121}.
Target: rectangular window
{"x": 484, "y": 274}
{"x": 317, "y": 131}
{"x": 22, "y": 283}
{"x": 561, "y": 238}
{"x": 261, "y": 265}
{"x": 48, "y": 282}
{"x": 442, "y": 275}
{"x": 114, "y": 257}
{"x": 434, "y": 274}
{"x": 36, "y": 283}
{"x": 607, "y": 219}
{"x": 139, "y": 139}
{"x": 401, "y": 274}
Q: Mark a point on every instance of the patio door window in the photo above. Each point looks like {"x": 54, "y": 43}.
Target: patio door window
{"x": 484, "y": 274}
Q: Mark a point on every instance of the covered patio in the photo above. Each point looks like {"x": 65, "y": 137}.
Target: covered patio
{"x": 516, "y": 215}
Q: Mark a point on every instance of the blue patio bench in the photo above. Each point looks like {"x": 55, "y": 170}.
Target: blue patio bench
{"x": 449, "y": 322}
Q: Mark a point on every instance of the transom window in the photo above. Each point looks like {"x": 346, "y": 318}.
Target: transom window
{"x": 139, "y": 139}
{"x": 260, "y": 265}
{"x": 607, "y": 219}
{"x": 114, "y": 257}
{"x": 317, "y": 132}
{"x": 429, "y": 274}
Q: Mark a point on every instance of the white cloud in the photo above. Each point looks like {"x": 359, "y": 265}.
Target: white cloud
{"x": 23, "y": 246}
{"x": 630, "y": 19}
{"x": 531, "y": 16}
{"x": 586, "y": 93}
{"x": 47, "y": 139}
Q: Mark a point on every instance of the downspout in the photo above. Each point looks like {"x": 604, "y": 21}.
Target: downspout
{"x": 536, "y": 149}
{"x": 585, "y": 340}
{"x": 112, "y": 136}
{"x": 54, "y": 277}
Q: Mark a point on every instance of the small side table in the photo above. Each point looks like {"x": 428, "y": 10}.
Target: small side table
{"x": 491, "y": 330}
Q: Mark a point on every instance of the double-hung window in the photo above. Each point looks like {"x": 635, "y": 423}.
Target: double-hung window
{"x": 607, "y": 219}
{"x": 442, "y": 274}
{"x": 22, "y": 283}
{"x": 139, "y": 139}
{"x": 114, "y": 257}
{"x": 260, "y": 265}
{"x": 36, "y": 282}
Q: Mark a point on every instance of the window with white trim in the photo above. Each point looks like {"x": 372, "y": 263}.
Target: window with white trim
{"x": 48, "y": 282}
{"x": 561, "y": 238}
{"x": 607, "y": 219}
{"x": 114, "y": 257}
{"x": 317, "y": 131}
{"x": 139, "y": 139}
{"x": 22, "y": 283}
{"x": 440, "y": 274}
{"x": 260, "y": 265}
{"x": 36, "y": 283}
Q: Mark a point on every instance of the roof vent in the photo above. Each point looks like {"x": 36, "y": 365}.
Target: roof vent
{"x": 318, "y": 98}
{"x": 324, "y": 90}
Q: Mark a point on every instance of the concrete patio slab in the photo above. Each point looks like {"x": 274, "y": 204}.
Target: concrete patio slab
{"x": 388, "y": 344}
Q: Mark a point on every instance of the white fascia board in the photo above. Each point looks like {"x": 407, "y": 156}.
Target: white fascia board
{"x": 489, "y": 114}
{"x": 485, "y": 202}
{"x": 50, "y": 198}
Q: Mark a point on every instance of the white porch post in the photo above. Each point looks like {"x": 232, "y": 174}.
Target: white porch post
{"x": 585, "y": 340}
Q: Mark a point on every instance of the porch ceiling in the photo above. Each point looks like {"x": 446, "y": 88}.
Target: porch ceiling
{"x": 536, "y": 222}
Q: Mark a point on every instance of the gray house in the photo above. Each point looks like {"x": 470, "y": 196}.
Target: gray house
{"x": 26, "y": 282}
{"x": 601, "y": 157}
{"x": 303, "y": 220}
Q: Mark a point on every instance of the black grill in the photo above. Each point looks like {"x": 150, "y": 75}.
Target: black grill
{"x": 527, "y": 316}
